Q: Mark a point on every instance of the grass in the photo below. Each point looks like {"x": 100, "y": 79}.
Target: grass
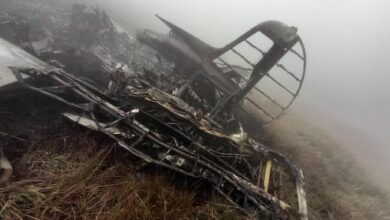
{"x": 67, "y": 173}
{"x": 82, "y": 176}
{"x": 337, "y": 186}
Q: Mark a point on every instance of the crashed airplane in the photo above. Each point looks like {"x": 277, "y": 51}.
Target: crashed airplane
{"x": 173, "y": 100}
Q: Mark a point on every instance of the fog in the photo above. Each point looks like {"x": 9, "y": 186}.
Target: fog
{"x": 346, "y": 90}
{"x": 347, "y": 85}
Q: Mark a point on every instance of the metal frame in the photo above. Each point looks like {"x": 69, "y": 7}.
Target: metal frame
{"x": 147, "y": 137}
{"x": 185, "y": 46}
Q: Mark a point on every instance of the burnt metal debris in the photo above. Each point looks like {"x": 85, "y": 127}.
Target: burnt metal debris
{"x": 177, "y": 102}
{"x": 237, "y": 84}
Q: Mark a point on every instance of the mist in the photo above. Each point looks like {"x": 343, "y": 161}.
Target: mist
{"x": 326, "y": 158}
{"x": 346, "y": 90}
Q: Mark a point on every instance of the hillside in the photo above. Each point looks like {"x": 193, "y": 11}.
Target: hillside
{"x": 337, "y": 185}
{"x": 62, "y": 171}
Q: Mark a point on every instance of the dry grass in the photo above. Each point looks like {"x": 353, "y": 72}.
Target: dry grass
{"x": 81, "y": 176}
{"x": 337, "y": 187}
{"x": 64, "y": 175}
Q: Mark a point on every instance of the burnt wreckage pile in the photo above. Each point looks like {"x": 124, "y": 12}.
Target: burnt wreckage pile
{"x": 181, "y": 105}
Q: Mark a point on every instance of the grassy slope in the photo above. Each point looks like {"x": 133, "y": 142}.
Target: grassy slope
{"x": 62, "y": 175}
{"x": 60, "y": 172}
{"x": 66, "y": 176}
{"x": 337, "y": 187}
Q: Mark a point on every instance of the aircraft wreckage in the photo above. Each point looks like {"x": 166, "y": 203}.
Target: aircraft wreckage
{"x": 173, "y": 100}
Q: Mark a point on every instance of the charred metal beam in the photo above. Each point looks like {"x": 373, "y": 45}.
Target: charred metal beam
{"x": 187, "y": 156}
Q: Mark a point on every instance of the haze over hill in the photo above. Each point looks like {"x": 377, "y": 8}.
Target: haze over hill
{"x": 346, "y": 89}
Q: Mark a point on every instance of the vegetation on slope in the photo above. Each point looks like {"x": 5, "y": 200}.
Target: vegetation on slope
{"x": 337, "y": 186}
{"x": 64, "y": 172}
{"x": 79, "y": 175}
